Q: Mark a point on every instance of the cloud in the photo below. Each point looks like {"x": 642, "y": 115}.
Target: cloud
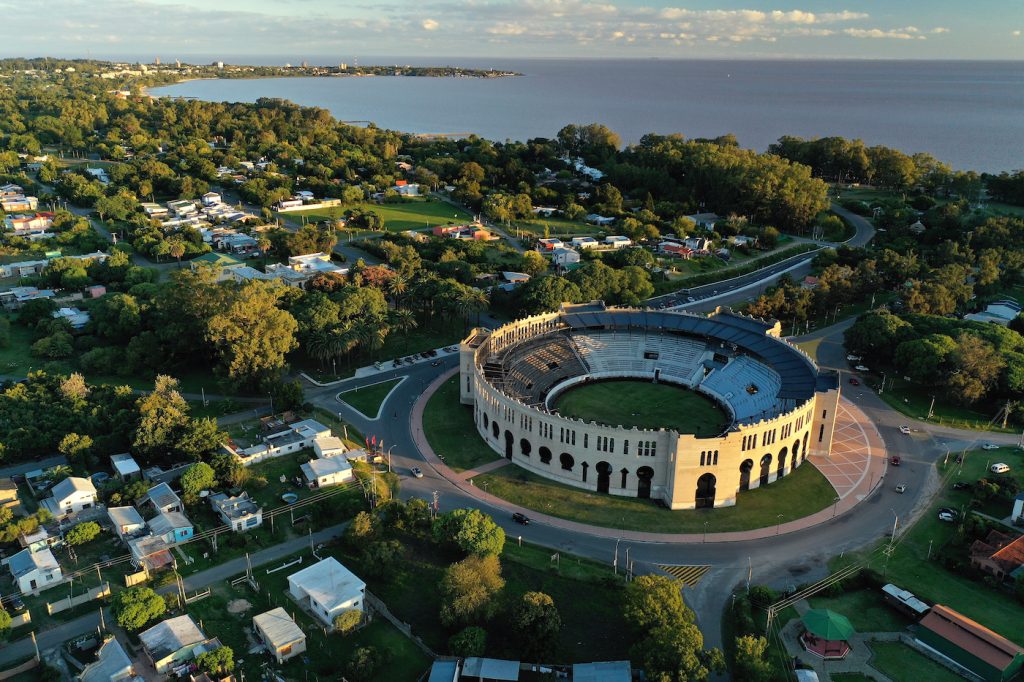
{"x": 430, "y": 25}
{"x": 1016, "y": 34}
{"x": 940, "y": 29}
{"x": 893, "y": 34}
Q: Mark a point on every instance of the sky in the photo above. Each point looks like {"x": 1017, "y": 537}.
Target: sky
{"x": 332, "y": 31}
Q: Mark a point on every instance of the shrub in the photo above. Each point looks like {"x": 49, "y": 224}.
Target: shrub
{"x": 83, "y": 533}
{"x": 348, "y": 621}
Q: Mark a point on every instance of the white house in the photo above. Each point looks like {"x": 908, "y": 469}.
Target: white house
{"x": 705, "y": 221}
{"x": 211, "y": 199}
{"x": 585, "y": 243}
{"x": 295, "y": 437}
{"x": 171, "y": 642}
{"x": 70, "y": 496}
{"x": 111, "y": 665}
{"x": 563, "y": 257}
{"x": 328, "y": 589}
{"x": 549, "y": 244}
{"x": 697, "y": 243}
{"x": 598, "y": 219}
{"x": 239, "y": 512}
{"x": 328, "y": 446}
{"x": 126, "y": 521}
{"x": 182, "y": 207}
{"x": 407, "y": 189}
{"x": 75, "y": 317}
{"x": 125, "y": 467}
{"x": 35, "y": 571}
{"x": 282, "y": 637}
{"x": 323, "y": 473}
{"x": 617, "y": 241}
{"x": 162, "y": 498}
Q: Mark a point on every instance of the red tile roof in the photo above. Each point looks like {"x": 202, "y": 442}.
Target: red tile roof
{"x": 971, "y": 636}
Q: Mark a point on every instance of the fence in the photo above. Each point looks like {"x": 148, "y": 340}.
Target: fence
{"x": 132, "y": 579}
{"x": 198, "y": 596}
{"x": 17, "y": 670}
{"x": 21, "y": 619}
{"x": 404, "y": 628}
{"x": 71, "y": 602}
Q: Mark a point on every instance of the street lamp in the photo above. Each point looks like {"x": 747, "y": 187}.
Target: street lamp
{"x": 705, "y": 533}
{"x": 615, "y": 561}
{"x": 271, "y": 396}
{"x": 778, "y": 526}
{"x": 835, "y": 506}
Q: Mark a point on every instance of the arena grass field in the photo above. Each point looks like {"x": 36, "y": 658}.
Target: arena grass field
{"x": 645, "y": 405}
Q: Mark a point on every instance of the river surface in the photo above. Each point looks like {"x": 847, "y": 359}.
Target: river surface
{"x": 968, "y": 114}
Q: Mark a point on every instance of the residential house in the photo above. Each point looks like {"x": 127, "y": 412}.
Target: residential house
{"x": 563, "y": 257}
{"x": 171, "y": 527}
{"x": 150, "y": 552}
{"x": 676, "y": 250}
{"x": 35, "y": 571}
{"x": 998, "y": 312}
{"x": 18, "y": 202}
{"x": 617, "y": 241}
{"x": 406, "y": 188}
{"x": 127, "y": 521}
{"x": 125, "y": 467}
{"x": 704, "y": 221}
{"x": 99, "y": 174}
{"x": 544, "y": 211}
{"x": 211, "y": 199}
{"x": 585, "y": 243}
{"x": 328, "y": 589}
{"x": 743, "y": 240}
{"x": 324, "y": 473}
{"x": 154, "y": 210}
{"x": 24, "y": 268}
{"x": 598, "y": 219}
{"x": 222, "y": 262}
{"x": 294, "y": 437}
{"x": 23, "y": 225}
{"x": 38, "y": 540}
{"x": 95, "y": 291}
{"x": 970, "y": 644}
{"x": 70, "y": 496}
{"x": 239, "y": 512}
{"x": 279, "y": 633}
{"x": 171, "y": 642}
{"x": 489, "y": 670}
{"x": 76, "y": 317}
{"x": 511, "y": 280}
{"x": 111, "y": 665}
{"x": 9, "y": 495}
{"x": 917, "y": 228}
{"x": 162, "y": 498}
{"x": 15, "y": 297}
{"x": 998, "y": 554}
{"x": 11, "y": 190}
{"x": 602, "y": 671}
{"x": 548, "y": 244}
{"x": 328, "y": 446}
{"x": 182, "y": 208}
{"x": 698, "y": 244}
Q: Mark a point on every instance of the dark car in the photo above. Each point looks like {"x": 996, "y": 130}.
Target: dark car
{"x": 521, "y": 518}
{"x": 15, "y": 604}
{"x": 855, "y": 381}
{"x": 961, "y": 485}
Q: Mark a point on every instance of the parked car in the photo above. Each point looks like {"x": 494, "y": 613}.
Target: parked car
{"x": 416, "y": 472}
{"x": 949, "y": 510}
{"x": 901, "y": 488}
{"x": 862, "y": 368}
{"x": 15, "y": 604}
{"x": 947, "y": 517}
{"x": 853, "y": 358}
{"x": 905, "y": 430}
{"x": 894, "y": 460}
{"x": 989, "y": 446}
{"x": 961, "y": 485}
{"x": 999, "y": 468}
{"x": 436, "y": 363}
{"x": 521, "y": 518}
{"x": 855, "y": 381}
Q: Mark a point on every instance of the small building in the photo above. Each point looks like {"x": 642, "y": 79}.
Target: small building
{"x": 154, "y": 210}
{"x": 211, "y": 199}
{"x": 598, "y": 219}
{"x": 15, "y": 297}
{"x": 406, "y": 188}
{"x": 9, "y": 495}
{"x": 904, "y": 601}
{"x": 444, "y": 670}
{"x": 328, "y": 446}
{"x": 324, "y": 473}
{"x": 1018, "y": 508}
{"x": 171, "y": 527}
{"x": 998, "y": 555}
{"x": 221, "y": 262}
{"x": 162, "y": 498}
{"x": 490, "y": 670}
{"x": 328, "y": 589}
{"x": 511, "y": 280}
{"x": 182, "y": 207}
{"x": 22, "y": 225}
{"x": 171, "y": 642}
{"x": 809, "y": 282}
{"x": 70, "y": 496}
{"x": 150, "y": 552}
{"x": 111, "y": 665}
{"x": 127, "y": 521}
{"x": 563, "y": 257}
{"x": 602, "y": 671}
{"x": 95, "y": 291}
{"x": 584, "y": 243}
{"x": 698, "y": 244}
{"x": 743, "y": 240}
{"x": 970, "y": 644}
{"x": 125, "y": 467}
{"x": 38, "y": 540}
{"x": 676, "y": 250}
{"x": 35, "y": 571}
{"x": 74, "y": 317}
{"x": 917, "y": 228}
{"x": 239, "y": 512}
{"x": 704, "y": 221}
{"x": 617, "y": 241}
{"x": 549, "y": 244}
{"x": 998, "y": 312}
{"x": 17, "y": 202}
{"x": 279, "y": 633}
{"x": 295, "y": 437}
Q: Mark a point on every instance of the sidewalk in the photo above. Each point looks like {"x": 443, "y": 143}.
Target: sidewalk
{"x": 868, "y": 483}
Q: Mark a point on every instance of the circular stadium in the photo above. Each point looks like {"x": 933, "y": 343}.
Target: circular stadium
{"x": 687, "y": 409}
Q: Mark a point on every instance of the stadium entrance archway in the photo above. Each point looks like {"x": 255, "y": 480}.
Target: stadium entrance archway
{"x": 509, "y": 441}
{"x": 643, "y": 482}
{"x": 745, "y": 469}
{"x": 604, "y": 475}
{"x": 705, "y": 491}
{"x": 782, "y": 463}
{"x": 766, "y": 469}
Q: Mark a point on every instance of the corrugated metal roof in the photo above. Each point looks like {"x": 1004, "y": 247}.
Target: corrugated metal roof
{"x": 602, "y": 671}
{"x": 171, "y": 635}
{"x": 491, "y": 668}
{"x": 279, "y": 627}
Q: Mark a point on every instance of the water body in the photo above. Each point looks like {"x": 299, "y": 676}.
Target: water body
{"x": 968, "y": 114}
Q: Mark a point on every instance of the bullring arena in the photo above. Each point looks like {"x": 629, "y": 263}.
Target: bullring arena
{"x": 777, "y": 407}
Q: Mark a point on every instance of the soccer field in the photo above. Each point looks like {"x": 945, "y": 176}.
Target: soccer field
{"x": 645, "y": 405}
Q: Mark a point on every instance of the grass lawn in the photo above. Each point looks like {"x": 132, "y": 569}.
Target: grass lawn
{"x": 850, "y": 677}
{"x": 556, "y": 228}
{"x": 903, "y": 664}
{"x": 449, "y": 428}
{"x": 910, "y": 568}
{"x": 369, "y": 398}
{"x": 410, "y": 214}
{"x": 645, "y": 406}
{"x": 803, "y": 492}
{"x": 865, "y": 609}
{"x": 914, "y": 401}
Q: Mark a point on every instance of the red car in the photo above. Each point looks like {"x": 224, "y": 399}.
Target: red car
{"x": 855, "y": 381}
{"x": 894, "y": 460}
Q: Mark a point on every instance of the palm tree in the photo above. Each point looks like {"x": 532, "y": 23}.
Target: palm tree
{"x": 472, "y": 301}
{"x": 397, "y": 286}
{"x": 404, "y": 322}
{"x": 319, "y": 346}
{"x": 176, "y": 249}
{"x": 264, "y": 244}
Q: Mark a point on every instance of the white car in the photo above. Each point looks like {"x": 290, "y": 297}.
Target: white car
{"x": 862, "y": 368}
{"x": 989, "y": 446}
{"x": 905, "y": 430}
{"x": 999, "y": 468}
{"x": 901, "y": 488}
{"x": 417, "y": 472}
{"x": 946, "y": 516}
{"x": 853, "y": 358}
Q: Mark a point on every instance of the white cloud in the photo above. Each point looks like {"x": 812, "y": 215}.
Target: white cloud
{"x": 1016, "y": 34}
{"x": 940, "y": 29}
{"x": 430, "y": 25}
{"x": 894, "y": 34}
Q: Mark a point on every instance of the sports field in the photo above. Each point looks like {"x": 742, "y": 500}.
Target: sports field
{"x": 644, "y": 405}
{"x": 411, "y": 214}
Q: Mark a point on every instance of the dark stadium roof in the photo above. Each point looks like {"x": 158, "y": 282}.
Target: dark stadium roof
{"x": 799, "y": 375}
